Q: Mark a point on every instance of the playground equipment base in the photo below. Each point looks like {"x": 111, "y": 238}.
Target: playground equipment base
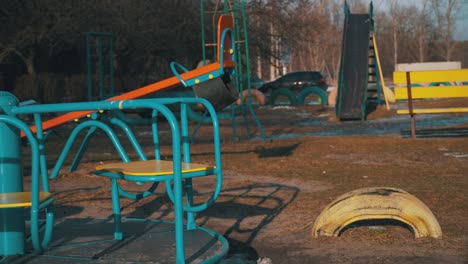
{"x": 78, "y": 240}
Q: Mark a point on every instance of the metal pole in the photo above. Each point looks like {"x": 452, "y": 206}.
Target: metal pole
{"x": 111, "y": 66}
{"x": 202, "y": 25}
{"x": 410, "y": 105}
{"x": 88, "y": 62}
{"x": 101, "y": 68}
{"x": 12, "y": 223}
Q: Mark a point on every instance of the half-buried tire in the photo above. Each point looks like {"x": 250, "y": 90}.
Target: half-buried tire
{"x": 377, "y": 203}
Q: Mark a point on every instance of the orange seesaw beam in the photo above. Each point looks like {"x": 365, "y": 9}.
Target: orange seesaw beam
{"x": 138, "y": 93}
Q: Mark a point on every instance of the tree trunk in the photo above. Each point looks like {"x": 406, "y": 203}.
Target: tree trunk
{"x": 30, "y": 66}
{"x": 394, "y": 10}
{"x": 448, "y": 38}
{"x": 421, "y": 47}
{"x": 395, "y": 43}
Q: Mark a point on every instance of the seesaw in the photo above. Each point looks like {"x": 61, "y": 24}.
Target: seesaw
{"x": 213, "y": 71}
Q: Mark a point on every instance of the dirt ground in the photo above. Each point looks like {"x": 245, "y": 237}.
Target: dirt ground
{"x": 275, "y": 187}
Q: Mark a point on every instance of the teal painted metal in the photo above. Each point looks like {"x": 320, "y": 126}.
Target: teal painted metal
{"x": 217, "y": 171}
{"x": 156, "y": 142}
{"x": 178, "y": 135}
{"x": 12, "y": 222}
{"x": 312, "y": 90}
{"x": 188, "y": 186}
{"x": 215, "y": 85}
{"x": 102, "y": 92}
{"x": 141, "y": 155}
{"x": 175, "y": 66}
{"x": 248, "y": 69}
{"x": 11, "y": 180}
{"x": 36, "y": 205}
{"x": 125, "y": 128}
{"x": 378, "y": 82}
{"x": 41, "y": 141}
{"x": 242, "y": 73}
{"x": 130, "y": 135}
{"x": 79, "y": 154}
{"x": 279, "y": 92}
{"x": 37, "y": 169}
{"x": 93, "y": 124}
{"x": 178, "y": 212}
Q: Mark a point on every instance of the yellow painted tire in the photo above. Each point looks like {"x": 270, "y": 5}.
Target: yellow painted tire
{"x": 376, "y": 203}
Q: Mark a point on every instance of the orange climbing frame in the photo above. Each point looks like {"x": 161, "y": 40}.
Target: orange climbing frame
{"x": 224, "y": 22}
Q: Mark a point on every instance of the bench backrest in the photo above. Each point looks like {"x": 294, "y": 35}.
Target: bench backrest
{"x": 399, "y": 78}
{"x": 438, "y": 76}
{"x": 401, "y": 93}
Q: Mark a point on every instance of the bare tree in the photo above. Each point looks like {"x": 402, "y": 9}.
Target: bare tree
{"x": 395, "y": 11}
{"x": 422, "y": 29}
{"x": 299, "y": 29}
{"x": 444, "y": 12}
{"x": 49, "y": 35}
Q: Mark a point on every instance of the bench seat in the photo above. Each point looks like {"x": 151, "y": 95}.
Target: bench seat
{"x": 137, "y": 170}
{"x": 21, "y": 199}
{"x": 434, "y": 110}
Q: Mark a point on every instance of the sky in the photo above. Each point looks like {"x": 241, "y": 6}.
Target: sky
{"x": 462, "y": 22}
{"x": 461, "y": 32}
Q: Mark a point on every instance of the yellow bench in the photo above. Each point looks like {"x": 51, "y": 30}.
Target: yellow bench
{"x": 409, "y": 93}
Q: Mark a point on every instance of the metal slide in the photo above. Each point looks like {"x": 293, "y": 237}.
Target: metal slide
{"x": 353, "y": 76}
